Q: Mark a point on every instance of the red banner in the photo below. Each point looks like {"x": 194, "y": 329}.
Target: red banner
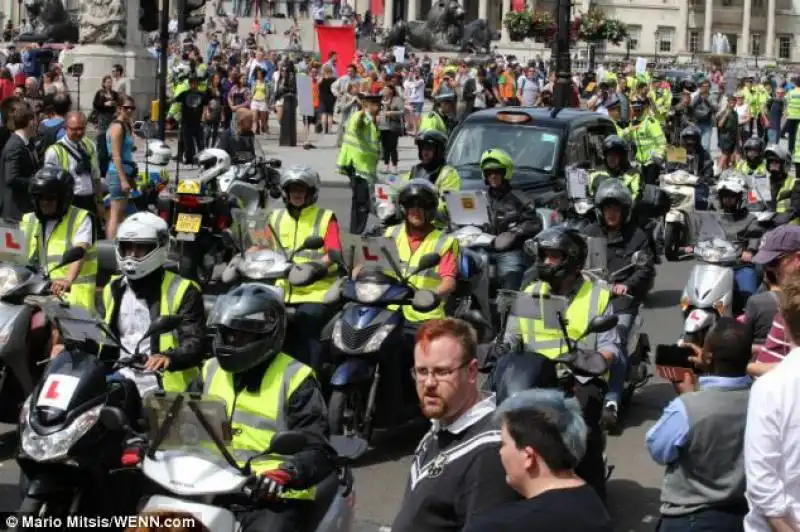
{"x": 517, "y": 5}
{"x": 339, "y": 39}
{"x": 376, "y": 6}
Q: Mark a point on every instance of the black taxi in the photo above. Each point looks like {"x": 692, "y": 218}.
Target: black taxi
{"x": 542, "y": 142}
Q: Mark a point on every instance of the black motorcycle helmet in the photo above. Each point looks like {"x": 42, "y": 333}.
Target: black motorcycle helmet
{"x": 688, "y": 84}
{"x": 778, "y": 156}
{"x": 52, "y": 182}
{"x": 249, "y": 324}
{"x": 615, "y": 144}
{"x": 753, "y": 149}
{"x": 613, "y": 191}
{"x": 559, "y": 238}
{"x": 434, "y": 138}
{"x": 419, "y": 193}
{"x": 691, "y": 138}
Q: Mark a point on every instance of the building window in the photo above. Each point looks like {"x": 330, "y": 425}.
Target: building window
{"x": 758, "y": 4}
{"x": 733, "y": 40}
{"x": 635, "y": 33}
{"x": 785, "y": 47}
{"x": 664, "y": 37}
{"x": 755, "y": 44}
{"x": 727, "y": 3}
{"x": 694, "y": 42}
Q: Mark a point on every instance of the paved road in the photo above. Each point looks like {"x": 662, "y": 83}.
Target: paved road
{"x": 380, "y": 479}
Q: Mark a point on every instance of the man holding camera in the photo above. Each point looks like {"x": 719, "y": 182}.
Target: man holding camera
{"x": 76, "y": 154}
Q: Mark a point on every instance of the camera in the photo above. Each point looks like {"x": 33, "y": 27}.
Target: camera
{"x": 76, "y": 70}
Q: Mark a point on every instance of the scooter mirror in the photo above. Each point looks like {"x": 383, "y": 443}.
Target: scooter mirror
{"x": 334, "y": 293}
{"x": 600, "y": 324}
{"x": 163, "y": 324}
{"x": 72, "y": 255}
{"x": 424, "y": 301}
{"x": 289, "y": 442}
{"x": 475, "y": 317}
{"x": 112, "y": 418}
{"x": 306, "y": 274}
{"x": 312, "y": 242}
{"x": 427, "y": 261}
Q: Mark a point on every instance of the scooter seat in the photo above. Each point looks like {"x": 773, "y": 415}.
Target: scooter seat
{"x": 327, "y": 490}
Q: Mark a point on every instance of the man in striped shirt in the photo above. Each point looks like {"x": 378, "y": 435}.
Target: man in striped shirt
{"x": 780, "y": 249}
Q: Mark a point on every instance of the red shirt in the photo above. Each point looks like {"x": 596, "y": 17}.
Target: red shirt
{"x": 447, "y": 264}
{"x": 776, "y": 346}
{"x": 332, "y": 239}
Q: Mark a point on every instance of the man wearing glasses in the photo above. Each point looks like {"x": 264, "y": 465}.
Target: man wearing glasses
{"x": 456, "y": 472}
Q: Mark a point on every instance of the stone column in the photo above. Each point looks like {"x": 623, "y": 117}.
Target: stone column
{"x": 708, "y": 22}
{"x": 483, "y": 9}
{"x": 744, "y": 47}
{"x": 770, "y": 48}
{"x": 388, "y": 14}
{"x": 505, "y": 9}
{"x": 413, "y": 10}
{"x": 683, "y": 23}
{"x": 533, "y": 5}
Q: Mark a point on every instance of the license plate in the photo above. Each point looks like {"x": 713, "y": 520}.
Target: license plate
{"x": 185, "y": 237}
{"x": 188, "y": 223}
{"x": 189, "y": 186}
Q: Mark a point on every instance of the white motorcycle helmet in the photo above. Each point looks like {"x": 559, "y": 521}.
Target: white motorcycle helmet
{"x": 734, "y": 185}
{"x": 182, "y": 71}
{"x": 158, "y": 153}
{"x": 144, "y": 228}
{"x": 214, "y": 162}
{"x": 298, "y": 173}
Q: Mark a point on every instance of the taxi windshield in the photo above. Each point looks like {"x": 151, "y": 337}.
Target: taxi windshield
{"x": 531, "y": 148}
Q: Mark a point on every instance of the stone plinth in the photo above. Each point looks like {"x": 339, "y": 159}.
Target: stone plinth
{"x": 140, "y": 69}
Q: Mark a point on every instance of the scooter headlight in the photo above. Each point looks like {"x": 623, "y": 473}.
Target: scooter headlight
{"x": 370, "y": 346}
{"x": 9, "y": 280}
{"x": 52, "y": 447}
{"x": 368, "y": 293}
{"x": 467, "y": 236}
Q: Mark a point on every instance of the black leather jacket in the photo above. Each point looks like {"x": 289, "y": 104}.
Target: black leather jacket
{"x": 240, "y": 146}
{"x": 507, "y": 212}
{"x": 621, "y": 245}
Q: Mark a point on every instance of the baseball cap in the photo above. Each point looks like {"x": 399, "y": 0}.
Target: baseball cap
{"x": 784, "y": 239}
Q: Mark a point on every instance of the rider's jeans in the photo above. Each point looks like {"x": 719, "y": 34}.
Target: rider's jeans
{"x": 510, "y": 267}
{"x": 620, "y": 365}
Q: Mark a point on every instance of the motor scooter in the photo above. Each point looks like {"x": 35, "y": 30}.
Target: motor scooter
{"x": 364, "y": 334}
{"x": 709, "y": 291}
{"x": 24, "y": 330}
{"x": 77, "y": 422}
{"x": 189, "y": 458}
{"x": 681, "y": 187}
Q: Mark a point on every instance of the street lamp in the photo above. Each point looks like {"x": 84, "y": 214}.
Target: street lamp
{"x": 563, "y": 88}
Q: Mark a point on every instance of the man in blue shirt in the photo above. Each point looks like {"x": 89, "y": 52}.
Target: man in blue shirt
{"x": 700, "y": 438}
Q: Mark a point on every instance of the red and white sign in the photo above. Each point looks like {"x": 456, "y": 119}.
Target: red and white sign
{"x": 382, "y": 193}
{"x": 57, "y": 391}
{"x": 13, "y": 244}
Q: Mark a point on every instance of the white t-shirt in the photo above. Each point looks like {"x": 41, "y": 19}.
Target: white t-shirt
{"x": 529, "y": 89}
{"x": 414, "y": 90}
{"x": 133, "y": 322}
{"x": 480, "y": 95}
{"x": 743, "y": 112}
{"x": 82, "y": 236}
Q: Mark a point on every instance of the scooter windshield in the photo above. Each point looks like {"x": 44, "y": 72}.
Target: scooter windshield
{"x": 467, "y": 207}
{"x": 532, "y": 306}
{"x": 706, "y": 225}
{"x": 174, "y": 423}
{"x": 251, "y": 229}
{"x": 76, "y": 324}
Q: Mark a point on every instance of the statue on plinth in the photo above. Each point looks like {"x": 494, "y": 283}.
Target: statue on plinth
{"x": 50, "y": 21}
{"x": 103, "y": 22}
{"x": 443, "y": 31}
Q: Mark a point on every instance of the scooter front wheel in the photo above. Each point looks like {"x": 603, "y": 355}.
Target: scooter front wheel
{"x": 673, "y": 235}
{"x": 346, "y": 414}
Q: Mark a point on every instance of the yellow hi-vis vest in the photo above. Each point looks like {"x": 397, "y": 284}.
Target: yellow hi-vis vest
{"x": 82, "y": 291}
{"x": 448, "y": 179}
{"x": 435, "y": 242}
{"x": 257, "y": 416}
{"x": 793, "y": 104}
{"x": 63, "y": 157}
{"x": 591, "y": 300}
{"x": 432, "y": 121}
{"x": 784, "y": 198}
{"x": 173, "y": 288}
{"x": 360, "y": 147}
{"x": 313, "y": 221}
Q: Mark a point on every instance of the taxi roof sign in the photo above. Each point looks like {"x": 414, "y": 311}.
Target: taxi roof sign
{"x": 514, "y": 118}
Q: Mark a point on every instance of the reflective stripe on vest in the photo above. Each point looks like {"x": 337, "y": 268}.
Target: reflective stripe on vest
{"x": 257, "y": 416}
{"x": 173, "y": 290}
{"x": 360, "y": 146}
{"x": 313, "y": 221}
{"x": 63, "y": 157}
{"x": 793, "y": 104}
{"x": 590, "y": 301}
{"x": 61, "y": 239}
{"x": 435, "y": 242}
{"x": 784, "y": 198}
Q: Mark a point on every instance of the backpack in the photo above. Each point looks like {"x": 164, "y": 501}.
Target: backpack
{"x": 48, "y": 136}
